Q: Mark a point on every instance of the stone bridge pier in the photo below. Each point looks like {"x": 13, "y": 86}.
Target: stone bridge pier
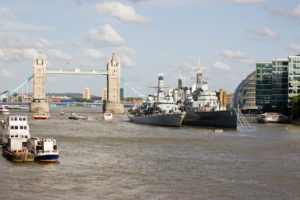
{"x": 113, "y": 103}
{"x": 39, "y": 103}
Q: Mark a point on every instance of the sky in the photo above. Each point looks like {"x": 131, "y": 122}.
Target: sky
{"x": 227, "y": 37}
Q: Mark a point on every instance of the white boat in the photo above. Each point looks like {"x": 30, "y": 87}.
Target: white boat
{"x": 44, "y": 149}
{"x": 15, "y": 151}
{"x": 77, "y": 117}
{"x": 4, "y": 111}
{"x": 271, "y": 117}
{"x": 14, "y": 127}
{"x": 107, "y": 115}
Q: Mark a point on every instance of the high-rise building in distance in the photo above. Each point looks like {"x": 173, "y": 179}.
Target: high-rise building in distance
{"x": 86, "y": 93}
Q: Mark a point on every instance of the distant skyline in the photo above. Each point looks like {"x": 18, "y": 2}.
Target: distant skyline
{"x": 150, "y": 36}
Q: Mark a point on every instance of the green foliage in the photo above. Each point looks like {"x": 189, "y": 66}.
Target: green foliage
{"x": 296, "y": 107}
{"x": 83, "y": 100}
{"x": 20, "y": 99}
{"x": 283, "y": 108}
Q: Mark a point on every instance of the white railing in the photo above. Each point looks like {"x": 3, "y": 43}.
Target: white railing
{"x": 76, "y": 71}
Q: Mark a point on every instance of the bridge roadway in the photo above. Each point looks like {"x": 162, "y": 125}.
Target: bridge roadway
{"x": 76, "y": 71}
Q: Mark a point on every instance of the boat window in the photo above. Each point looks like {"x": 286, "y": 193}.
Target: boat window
{"x": 16, "y": 127}
{"x": 12, "y": 127}
{"x": 26, "y": 136}
{"x": 21, "y": 127}
{"x": 16, "y": 119}
{"x": 25, "y": 127}
{"x": 24, "y": 119}
{"x": 12, "y": 136}
{"x": 22, "y": 136}
{"x": 16, "y": 136}
{"x": 20, "y": 118}
{"x": 12, "y": 119}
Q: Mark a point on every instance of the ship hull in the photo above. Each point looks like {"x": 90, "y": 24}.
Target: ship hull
{"x": 159, "y": 120}
{"x": 19, "y": 156}
{"x": 224, "y": 119}
{"x": 47, "y": 158}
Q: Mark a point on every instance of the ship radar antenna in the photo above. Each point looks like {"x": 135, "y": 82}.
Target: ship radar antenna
{"x": 199, "y": 67}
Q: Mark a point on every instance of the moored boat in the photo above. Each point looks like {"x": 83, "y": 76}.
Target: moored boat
{"x": 159, "y": 109}
{"x": 271, "y": 117}
{"x": 15, "y": 151}
{"x": 14, "y": 127}
{"x": 41, "y": 116}
{"x": 203, "y": 108}
{"x": 107, "y": 115}
{"x": 44, "y": 149}
{"x": 75, "y": 116}
{"x": 4, "y": 111}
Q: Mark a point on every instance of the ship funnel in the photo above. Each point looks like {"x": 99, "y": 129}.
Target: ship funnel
{"x": 160, "y": 82}
{"x": 180, "y": 83}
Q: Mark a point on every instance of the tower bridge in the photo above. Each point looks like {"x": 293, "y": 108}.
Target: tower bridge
{"x": 113, "y": 74}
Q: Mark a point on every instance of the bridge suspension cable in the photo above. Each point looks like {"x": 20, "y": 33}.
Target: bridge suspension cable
{"x": 136, "y": 92}
{"x": 11, "y": 92}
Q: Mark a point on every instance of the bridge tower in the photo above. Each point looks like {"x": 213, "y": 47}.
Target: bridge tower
{"x": 113, "y": 103}
{"x": 39, "y": 103}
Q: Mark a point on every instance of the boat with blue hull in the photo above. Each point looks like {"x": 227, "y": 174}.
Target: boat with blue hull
{"x": 44, "y": 149}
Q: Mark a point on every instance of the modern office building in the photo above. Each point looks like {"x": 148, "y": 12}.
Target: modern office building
{"x": 86, "y": 93}
{"x": 277, "y": 83}
{"x": 263, "y": 84}
{"x": 293, "y": 77}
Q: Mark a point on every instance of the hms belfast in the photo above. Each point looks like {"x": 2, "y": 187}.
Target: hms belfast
{"x": 203, "y": 108}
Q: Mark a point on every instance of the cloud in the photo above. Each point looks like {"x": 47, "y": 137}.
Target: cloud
{"x": 127, "y": 61}
{"x": 8, "y": 22}
{"x": 7, "y": 74}
{"x": 221, "y": 66}
{"x": 247, "y": 1}
{"x": 12, "y": 54}
{"x": 127, "y": 50}
{"x": 21, "y": 41}
{"x": 293, "y": 13}
{"x": 260, "y": 34}
{"x": 237, "y": 56}
{"x": 121, "y": 12}
{"x": 93, "y": 53}
{"x": 55, "y": 53}
{"x": 14, "y": 25}
{"x": 4, "y": 11}
{"x": 107, "y": 36}
{"x": 294, "y": 47}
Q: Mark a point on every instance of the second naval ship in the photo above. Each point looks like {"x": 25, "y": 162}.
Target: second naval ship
{"x": 203, "y": 108}
{"x": 159, "y": 109}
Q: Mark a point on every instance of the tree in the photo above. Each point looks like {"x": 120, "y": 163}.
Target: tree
{"x": 20, "y": 99}
{"x": 296, "y": 107}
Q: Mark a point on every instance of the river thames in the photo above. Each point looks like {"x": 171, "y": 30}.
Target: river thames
{"x": 117, "y": 159}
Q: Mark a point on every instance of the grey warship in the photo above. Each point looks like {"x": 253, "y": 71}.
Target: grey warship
{"x": 159, "y": 109}
{"x": 203, "y": 109}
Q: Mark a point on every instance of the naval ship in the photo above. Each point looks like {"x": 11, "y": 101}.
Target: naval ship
{"x": 159, "y": 109}
{"x": 203, "y": 108}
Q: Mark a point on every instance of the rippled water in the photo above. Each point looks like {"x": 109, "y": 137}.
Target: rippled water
{"x": 122, "y": 160}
